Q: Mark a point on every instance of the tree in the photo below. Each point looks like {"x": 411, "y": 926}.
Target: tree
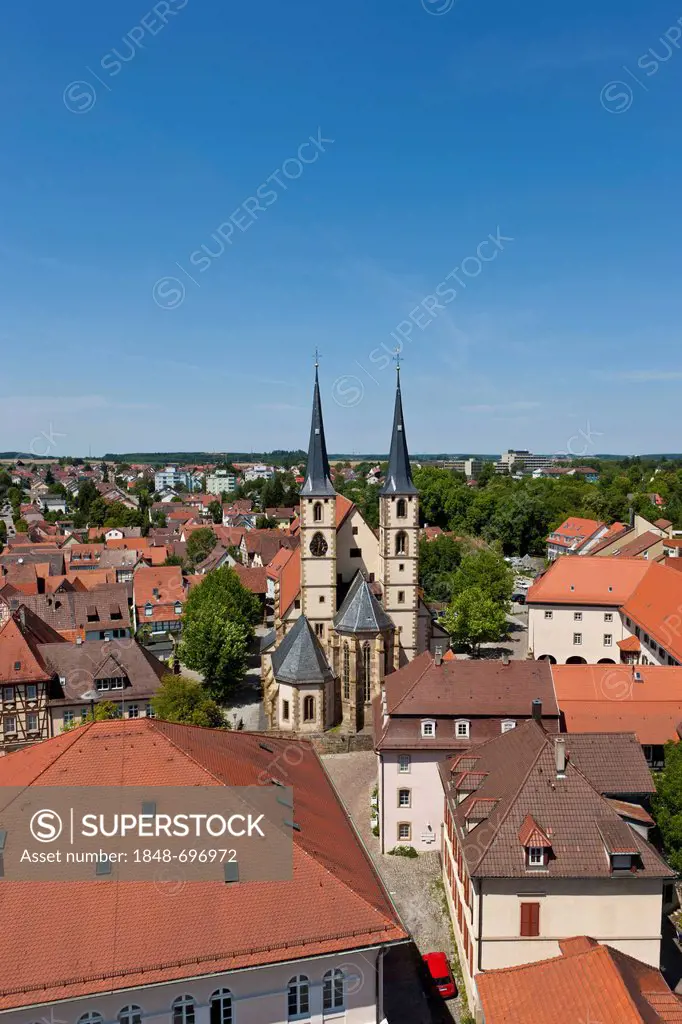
{"x": 667, "y": 804}
{"x": 200, "y": 544}
{"x": 218, "y": 649}
{"x": 438, "y": 560}
{"x": 473, "y": 618}
{"x": 21, "y": 526}
{"x": 179, "y": 699}
{"x": 103, "y": 713}
{"x": 488, "y": 572}
{"x": 49, "y": 476}
{"x": 215, "y": 510}
{"x": 264, "y": 523}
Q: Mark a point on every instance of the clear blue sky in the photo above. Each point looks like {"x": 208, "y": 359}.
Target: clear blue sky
{"x": 447, "y": 126}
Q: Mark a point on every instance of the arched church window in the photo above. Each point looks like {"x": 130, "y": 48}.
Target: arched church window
{"x": 308, "y": 709}
{"x": 401, "y": 543}
{"x": 317, "y": 511}
{"x": 401, "y": 509}
{"x": 318, "y": 546}
{"x": 346, "y": 672}
{"x": 367, "y": 672}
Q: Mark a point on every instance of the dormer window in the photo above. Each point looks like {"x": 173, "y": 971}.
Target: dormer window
{"x": 536, "y": 857}
{"x": 508, "y": 725}
{"x": 462, "y": 729}
{"x": 178, "y": 608}
{"x": 428, "y": 728}
{"x": 148, "y": 609}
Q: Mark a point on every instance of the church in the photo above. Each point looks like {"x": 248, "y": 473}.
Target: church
{"x": 348, "y": 609}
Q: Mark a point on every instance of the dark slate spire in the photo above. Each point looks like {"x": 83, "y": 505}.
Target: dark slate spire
{"x": 398, "y": 474}
{"x": 318, "y": 478}
{"x": 360, "y": 611}
{"x": 300, "y": 658}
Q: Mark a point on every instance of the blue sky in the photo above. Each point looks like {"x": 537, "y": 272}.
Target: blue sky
{"x": 130, "y": 135}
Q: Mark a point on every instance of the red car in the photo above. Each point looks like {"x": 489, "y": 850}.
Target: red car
{"x": 441, "y": 975}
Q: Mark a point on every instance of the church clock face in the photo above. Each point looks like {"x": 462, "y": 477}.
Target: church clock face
{"x": 318, "y": 546}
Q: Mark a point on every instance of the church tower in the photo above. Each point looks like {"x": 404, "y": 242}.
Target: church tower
{"x": 399, "y": 538}
{"x": 318, "y": 531}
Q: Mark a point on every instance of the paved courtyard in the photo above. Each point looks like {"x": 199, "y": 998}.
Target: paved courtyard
{"x": 414, "y": 885}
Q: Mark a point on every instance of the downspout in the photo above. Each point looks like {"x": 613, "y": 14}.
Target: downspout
{"x": 480, "y": 927}
{"x": 381, "y": 804}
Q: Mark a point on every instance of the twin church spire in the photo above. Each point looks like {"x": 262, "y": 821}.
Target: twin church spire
{"x": 318, "y": 476}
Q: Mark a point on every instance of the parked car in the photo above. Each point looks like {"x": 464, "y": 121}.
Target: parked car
{"x": 519, "y": 597}
{"x": 439, "y": 971}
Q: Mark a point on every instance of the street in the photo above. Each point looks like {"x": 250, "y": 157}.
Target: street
{"x": 414, "y": 886}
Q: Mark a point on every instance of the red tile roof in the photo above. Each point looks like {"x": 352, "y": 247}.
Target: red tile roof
{"x": 655, "y": 606}
{"x": 81, "y": 938}
{"x": 609, "y": 698}
{"x": 168, "y": 583}
{"x": 254, "y": 579}
{"x": 587, "y": 983}
{"x": 573, "y": 529}
{"x": 630, "y": 644}
{"x": 587, "y": 580}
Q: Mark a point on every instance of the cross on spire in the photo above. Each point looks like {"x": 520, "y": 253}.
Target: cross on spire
{"x": 396, "y": 358}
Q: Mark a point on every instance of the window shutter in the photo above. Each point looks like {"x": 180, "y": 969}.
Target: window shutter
{"x": 530, "y": 919}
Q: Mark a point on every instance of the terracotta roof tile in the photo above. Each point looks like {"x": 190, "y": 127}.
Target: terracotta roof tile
{"x": 588, "y": 982}
{"x": 73, "y": 941}
{"x": 598, "y": 581}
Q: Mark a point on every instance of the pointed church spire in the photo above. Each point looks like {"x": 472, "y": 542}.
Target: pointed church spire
{"x": 398, "y": 474}
{"x": 318, "y": 477}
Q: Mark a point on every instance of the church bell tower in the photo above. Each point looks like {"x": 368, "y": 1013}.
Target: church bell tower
{"x": 399, "y": 538}
{"x": 318, "y": 530}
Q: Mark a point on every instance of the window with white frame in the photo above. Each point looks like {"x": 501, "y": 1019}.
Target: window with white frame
{"x": 130, "y": 1015}
{"x": 184, "y": 1010}
{"x": 428, "y": 727}
{"x": 608, "y": 616}
{"x": 536, "y": 857}
{"x": 577, "y": 616}
{"x": 404, "y": 763}
{"x": 549, "y": 615}
{"x": 31, "y": 692}
{"x": 133, "y": 711}
{"x": 404, "y": 831}
{"x": 462, "y": 730}
{"x": 508, "y": 725}
{"x": 404, "y": 798}
{"x": 577, "y": 639}
{"x": 68, "y": 717}
{"x": 91, "y": 1018}
{"x": 608, "y": 639}
{"x": 298, "y": 997}
{"x": 32, "y": 721}
{"x": 332, "y": 990}
{"x": 221, "y": 1007}
{"x": 9, "y": 725}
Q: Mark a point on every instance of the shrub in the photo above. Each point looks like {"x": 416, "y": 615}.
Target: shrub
{"x": 403, "y": 851}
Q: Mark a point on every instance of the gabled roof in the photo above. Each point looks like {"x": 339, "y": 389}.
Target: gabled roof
{"x": 20, "y": 659}
{"x": 398, "y": 475}
{"x": 318, "y": 482}
{"x": 523, "y": 780}
{"x": 60, "y": 945}
{"x": 599, "y": 581}
{"x": 644, "y": 699}
{"x": 360, "y": 611}
{"x": 300, "y": 658}
{"x": 588, "y": 982}
{"x": 654, "y": 605}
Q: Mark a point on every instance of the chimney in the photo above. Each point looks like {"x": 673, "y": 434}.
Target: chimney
{"x": 536, "y": 709}
{"x": 560, "y": 757}
{"x": 505, "y": 658}
{"x": 438, "y": 656}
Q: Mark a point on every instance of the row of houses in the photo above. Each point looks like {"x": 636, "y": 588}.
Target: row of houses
{"x": 533, "y": 782}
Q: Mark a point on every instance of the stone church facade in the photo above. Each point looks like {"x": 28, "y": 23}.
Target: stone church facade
{"x": 348, "y": 610}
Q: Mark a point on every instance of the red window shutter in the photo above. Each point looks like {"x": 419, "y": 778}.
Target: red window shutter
{"x": 534, "y": 918}
{"x": 530, "y": 919}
